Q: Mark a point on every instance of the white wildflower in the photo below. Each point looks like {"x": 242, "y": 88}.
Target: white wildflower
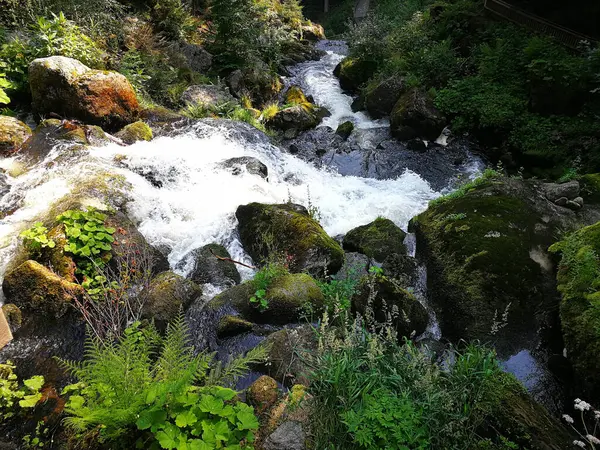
{"x": 568, "y": 418}
{"x": 581, "y": 405}
{"x": 579, "y": 444}
{"x": 592, "y": 439}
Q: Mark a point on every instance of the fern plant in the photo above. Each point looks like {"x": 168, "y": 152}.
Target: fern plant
{"x": 158, "y": 385}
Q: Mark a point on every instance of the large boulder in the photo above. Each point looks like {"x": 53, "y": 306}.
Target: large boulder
{"x": 415, "y": 116}
{"x": 354, "y": 72}
{"x": 383, "y": 300}
{"x": 35, "y": 288}
{"x": 579, "y": 283}
{"x": 207, "y": 268}
{"x": 313, "y": 31}
{"x": 67, "y": 87}
{"x": 198, "y": 59}
{"x": 378, "y": 239}
{"x": 13, "y": 133}
{"x": 134, "y": 132}
{"x": 489, "y": 275}
{"x": 167, "y": 295}
{"x": 380, "y": 97}
{"x": 286, "y": 297}
{"x": 269, "y": 230}
{"x": 207, "y": 95}
{"x": 295, "y": 119}
{"x": 263, "y": 393}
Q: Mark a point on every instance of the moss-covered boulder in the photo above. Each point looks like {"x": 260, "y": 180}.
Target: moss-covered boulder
{"x": 381, "y": 95}
{"x": 345, "y": 129}
{"x": 295, "y": 119}
{"x": 13, "y": 315}
{"x": 263, "y": 393}
{"x": 67, "y": 87}
{"x": 295, "y": 96}
{"x": 35, "y": 288}
{"x": 415, "y": 116}
{"x": 354, "y": 72}
{"x": 485, "y": 252}
{"x": 167, "y": 295}
{"x": 386, "y": 301}
{"x": 579, "y": 283}
{"x": 13, "y": 133}
{"x": 313, "y": 31}
{"x": 208, "y": 268}
{"x": 288, "y": 350}
{"x": 378, "y": 239}
{"x": 286, "y": 297}
{"x": 287, "y": 229}
{"x": 232, "y": 326}
{"x": 134, "y": 132}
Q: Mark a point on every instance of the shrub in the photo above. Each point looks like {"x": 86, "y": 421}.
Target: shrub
{"x": 171, "y": 17}
{"x": 159, "y": 386}
{"x": 15, "y": 396}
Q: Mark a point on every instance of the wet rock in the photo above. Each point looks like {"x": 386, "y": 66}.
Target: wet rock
{"x": 207, "y": 268}
{"x": 13, "y": 316}
{"x": 286, "y": 296}
{"x": 578, "y": 200}
{"x": 573, "y": 205}
{"x": 354, "y": 72}
{"x": 207, "y": 95}
{"x": 344, "y": 130}
{"x": 49, "y": 133}
{"x": 232, "y": 326}
{"x": 356, "y": 265}
{"x": 554, "y": 191}
{"x": 381, "y": 97}
{"x": 287, "y": 354}
{"x": 198, "y": 59}
{"x": 35, "y": 288}
{"x": 263, "y": 394}
{"x": 415, "y": 116}
{"x": 388, "y": 301}
{"x": 288, "y": 436}
{"x": 167, "y": 296}
{"x": 486, "y": 258}
{"x": 251, "y": 165}
{"x": 162, "y": 120}
{"x": 296, "y": 118}
{"x": 378, "y": 239}
{"x": 402, "y": 268}
{"x": 358, "y": 104}
{"x": 67, "y": 87}
{"x": 416, "y": 145}
{"x": 561, "y": 201}
{"x": 4, "y": 186}
{"x": 313, "y": 31}
{"x": 13, "y": 133}
{"x": 288, "y": 229}
{"x": 134, "y": 132}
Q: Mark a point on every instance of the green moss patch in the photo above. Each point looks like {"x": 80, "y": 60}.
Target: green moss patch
{"x": 378, "y": 239}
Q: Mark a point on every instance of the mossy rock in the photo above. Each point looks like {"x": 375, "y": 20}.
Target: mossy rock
{"x": 579, "y": 283}
{"x": 388, "y": 301}
{"x": 354, "y": 72}
{"x": 13, "y": 315}
{"x": 590, "y": 187}
{"x": 295, "y": 96}
{"x": 286, "y": 297}
{"x": 288, "y": 349}
{"x": 378, "y": 239}
{"x": 485, "y": 252}
{"x": 263, "y": 394}
{"x": 288, "y": 230}
{"x": 13, "y": 133}
{"x": 60, "y": 262}
{"x": 415, "y": 116}
{"x": 134, "y": 132}
{"x": 516, "y": 417}
{"x": 33, "y": 287}
{"x": 207, "y": 268}
{"x": 381, "y": 95}
{"x": 167, "y": 295}
{"x": 345, "y": 129}
{"x": 232, "y": 326}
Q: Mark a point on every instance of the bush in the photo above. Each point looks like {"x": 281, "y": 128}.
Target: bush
{"x": 171, "y": 17}
{"x": 158, "y": 386}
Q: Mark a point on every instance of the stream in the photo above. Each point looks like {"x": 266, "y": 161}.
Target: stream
{"x": 181, "y": 197}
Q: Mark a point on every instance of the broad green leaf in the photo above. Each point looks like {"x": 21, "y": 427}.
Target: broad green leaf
{"x": 29, "y": 401}
{"x": 185, "y": 419}
{"x": 197, "y": 444}
{"x": 222, "y": 431}
{"x": 247, "y": 420}
{"x": 149, "y": 418}
{"x": 4, "y": 99}
{"x": 35, "y": 383}
{"x": 76, "y": 402}
{"x": 211, "y": 404}
{"x": 224, "y": 393}
{"x": 168, "y": 437}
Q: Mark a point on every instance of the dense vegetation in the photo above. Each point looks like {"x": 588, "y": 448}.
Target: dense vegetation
{"x": 530, "y": 101}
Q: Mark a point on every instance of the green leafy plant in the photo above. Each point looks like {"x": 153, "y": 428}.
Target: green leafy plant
{"x": 4, "y": 84}
{"x": 14, "y": 395}
{"x": 159, "y": 386}
{"x": 262, "y": 280}
{"x": 36, "y": 238}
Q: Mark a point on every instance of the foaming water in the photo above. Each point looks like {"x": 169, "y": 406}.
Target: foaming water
{"x": 317, "y": 79}
{"x": 197, "y": 198}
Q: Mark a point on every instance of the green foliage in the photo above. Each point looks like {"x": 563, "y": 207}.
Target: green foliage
{"x": 47, "y": 37}
{"x": 171, "y": 17}
{"x": 263, "y": 279}
{"x": 4, "y": 84}
{"x": 486, "y": 176}
{"x": 338, "y": 292}
{"x": 15, "y": 396}
{"x": 229, "y": 110}
{"x": 370, "y": 392}
{"x": 159, "y": 386}
{"x": 36, "y": 238}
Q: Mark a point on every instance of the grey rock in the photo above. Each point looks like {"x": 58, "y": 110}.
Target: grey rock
{"x": 578, "y": 200}
{"x": 288, "y": 436}
{"x": 380, "y": 99}
{"x": 252, "y": 165}
{"x": 356, "y": 265}
{"x": 235, "y": 83}
{"x": 573, "y": 205}
{"x": 554, "y": 191}
{"x": 209, "y": 95}
{"x": 207, "y": 268}
{"x": 198, "y": 59}
{"x": 561, "y": 201}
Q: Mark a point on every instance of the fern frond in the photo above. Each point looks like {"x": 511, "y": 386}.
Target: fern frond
{"x": 227, "y": 374}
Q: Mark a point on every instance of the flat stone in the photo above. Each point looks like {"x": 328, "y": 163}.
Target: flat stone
{"x": 287, "y": 436}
